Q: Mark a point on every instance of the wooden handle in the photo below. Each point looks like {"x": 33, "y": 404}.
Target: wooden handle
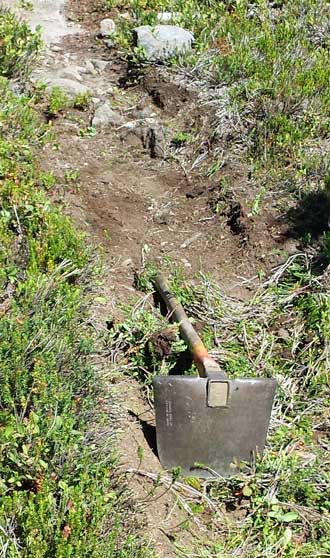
{"x": 202, "y": 359}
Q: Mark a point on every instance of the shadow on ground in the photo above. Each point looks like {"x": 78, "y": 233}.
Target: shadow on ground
{"x": 310, "y": 217}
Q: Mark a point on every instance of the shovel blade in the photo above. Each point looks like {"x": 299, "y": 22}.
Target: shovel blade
{"x": 218, "y": 439}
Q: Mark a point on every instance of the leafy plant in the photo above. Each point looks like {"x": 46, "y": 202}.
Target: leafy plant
{"x": 18, "y": 45}
{"x": 56, "y": 494}
{"x": 58, "y": 101}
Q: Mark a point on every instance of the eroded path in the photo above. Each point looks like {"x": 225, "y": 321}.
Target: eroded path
{"x": 121, "y": 181}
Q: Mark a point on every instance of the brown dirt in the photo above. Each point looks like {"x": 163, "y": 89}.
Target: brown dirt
{"x": 135, "y": 206}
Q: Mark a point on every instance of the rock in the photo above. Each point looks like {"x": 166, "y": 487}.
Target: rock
{"x": 165, "y": 17}
{"x": 55, "y": 48}
{"x": 70, "y": 73}
{"x": 90, "y": 68}
{"x": 162, "y": 218}
{"x": 283, "y": 334}
{"x": 69, "y": 86}
{"x": 143, "y": 113}
{"x": 100, "y": 64}
{"x": 109, "y": 43}
{"x": 105, "y": 116}
{"x": 153, "y": 139}
{"x": 163, "y": 41}
{"x": 107, "y": 27}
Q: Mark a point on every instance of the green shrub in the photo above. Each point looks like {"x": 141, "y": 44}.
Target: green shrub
{"x": 18, "y": 45}
{"x": 56, "y": 498}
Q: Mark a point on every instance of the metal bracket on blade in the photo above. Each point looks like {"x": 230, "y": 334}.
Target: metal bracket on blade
{"x": 217, "y": 393}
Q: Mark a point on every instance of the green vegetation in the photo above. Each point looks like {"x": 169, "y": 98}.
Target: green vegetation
{"x": 59, "y": 102}
{"x": 18, "y": 45}
{"x": 57, "y": 496}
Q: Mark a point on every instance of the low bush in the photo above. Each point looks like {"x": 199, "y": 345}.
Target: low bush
{"x": 18, "y": 45}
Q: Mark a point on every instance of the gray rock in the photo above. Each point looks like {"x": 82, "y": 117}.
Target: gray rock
{"x": 90, "y": 68}
{"x": 69, "y": 86}
{"x": 153, "y": 139}
{"x": 110, "y": 43}
{"x": 105, "y": 116}
{"x": 70, "y": 73}
{"x": 163, "y": 41}
{"x": 143, "y": 113}
{"x": 107, "y": 27}
{"x": 100, "y": 64}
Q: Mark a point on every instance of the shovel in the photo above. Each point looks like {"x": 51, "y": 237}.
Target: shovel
{"x": 208, "y": 425}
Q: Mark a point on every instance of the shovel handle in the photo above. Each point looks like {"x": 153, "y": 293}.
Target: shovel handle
{"x": 205, "y": 364}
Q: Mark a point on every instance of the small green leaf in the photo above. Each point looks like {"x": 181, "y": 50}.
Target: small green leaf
{"x": 247, "y": 491}
{"x": 289, "y": 516}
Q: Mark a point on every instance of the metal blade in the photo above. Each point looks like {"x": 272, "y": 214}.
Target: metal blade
{"x": 190, "y": 432}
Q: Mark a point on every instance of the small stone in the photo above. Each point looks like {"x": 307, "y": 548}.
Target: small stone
{"x": 100, "y": 64}
{"x": 127, "y": 263}
{"x": 283, "y": 334}
{"x": 90, "y": 68}
{"x": 69, "y": 86}
{"x": 70, "y": 73}
{"x": 105, "y": 116}
{"x": 107, "y": 27}
{"x": 109, "y": 43}
{"x": 163, "y": 41}
{"x": 162, "y": 218}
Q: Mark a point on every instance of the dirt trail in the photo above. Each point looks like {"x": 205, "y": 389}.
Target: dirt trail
{"x": 134, "y": 205}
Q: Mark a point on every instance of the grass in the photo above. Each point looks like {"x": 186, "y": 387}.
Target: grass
{"x": 59, "y": 494}
{"x": 280, "y": 507}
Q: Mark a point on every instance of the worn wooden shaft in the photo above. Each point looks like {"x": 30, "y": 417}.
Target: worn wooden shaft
{"x": 204, "y": 362}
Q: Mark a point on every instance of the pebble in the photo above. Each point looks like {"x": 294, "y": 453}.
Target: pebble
{"x": 105, "y": 116}
{"x": 69, "y": 86}
{"x": 107, "y": 27}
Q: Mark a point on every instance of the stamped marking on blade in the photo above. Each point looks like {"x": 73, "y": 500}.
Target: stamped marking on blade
{"x": 169, "y": 413}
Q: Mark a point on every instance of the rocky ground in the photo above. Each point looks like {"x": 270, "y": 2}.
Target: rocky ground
{"x": 134, "y": 192}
